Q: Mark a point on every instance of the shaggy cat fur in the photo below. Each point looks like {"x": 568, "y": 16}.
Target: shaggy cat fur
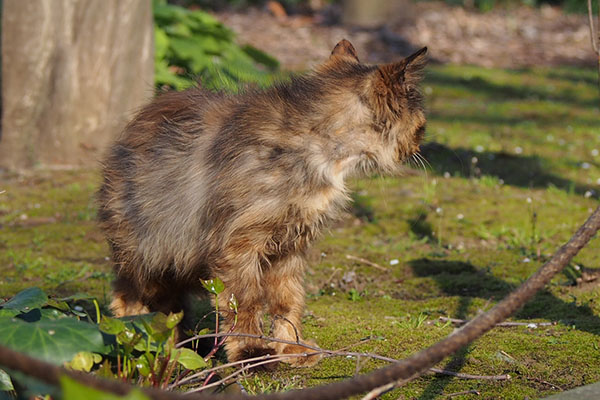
{"x": 204, "y": 184}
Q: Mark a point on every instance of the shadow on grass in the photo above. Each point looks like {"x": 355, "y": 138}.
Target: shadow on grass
{"x": 457, "y": 278}
{"x": 516, "y": 91}
{"x": 540, "y": 119}
{"x": 522, "y": 171}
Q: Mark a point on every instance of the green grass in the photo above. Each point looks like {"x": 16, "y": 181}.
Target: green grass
{"x": 514, "y": 171}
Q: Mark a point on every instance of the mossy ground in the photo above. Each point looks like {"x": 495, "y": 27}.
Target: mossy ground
{"x": 515, "y": 169}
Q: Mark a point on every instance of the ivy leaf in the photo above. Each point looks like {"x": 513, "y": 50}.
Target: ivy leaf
{"x": 26, "y": 300}
{"x": 5, "y": 382}
{"x": 190, "y": 359}
{"x": 173, "y": 319}
{"x": 60, "y": 305}
{"x": 84, "y": 361}
{"x": 143, "y": 365}
{"x": 73, "y": 390}
{"x": 215, "y": 286}
{"x": 112, "y": 326}
{"x": 57, "y": 341}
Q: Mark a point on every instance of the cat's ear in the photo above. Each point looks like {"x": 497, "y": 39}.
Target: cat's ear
{"x": 344, "y": 51}
{"x": 405, "y": 73}
{"x": 414, "y": 66}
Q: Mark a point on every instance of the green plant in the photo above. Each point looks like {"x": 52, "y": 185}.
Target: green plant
{"x": 138, "y": 349}
{"x": 191, "y": 46}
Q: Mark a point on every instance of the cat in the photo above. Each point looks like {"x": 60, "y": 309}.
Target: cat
{"x": 205, "y": 184}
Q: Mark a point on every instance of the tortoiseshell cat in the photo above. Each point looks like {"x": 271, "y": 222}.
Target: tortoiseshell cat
{"x": 204, "y": 184}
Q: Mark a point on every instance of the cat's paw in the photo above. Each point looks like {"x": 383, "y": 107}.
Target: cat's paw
{"x": 255, "y": 352}
{"x": 309, "y": 358}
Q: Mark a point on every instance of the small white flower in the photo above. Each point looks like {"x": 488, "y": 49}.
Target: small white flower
{"x": 532, "y": 326}
{"x": 394, "y": 262}
{"x": 439, "y": 210}
{"x": 447, "y": 175}
{"x": 23, "y": 217}
{"x": 428, "y": 90}
{"x": 594, "y": 152}
{"x": 474, "y": 160}
{"x": 323, "y": 254}
{"x": 598, "y": 181}
{"x": 577, "y": 267}
{"x": 51, "y": 332}
{"x": 526, "y": 260}
{"x": 459, "y": 216}
{"x": 518, "y": 150}
{"x": 588, "y": 194}
{"x": 529, "y": 201}
{"x": 479, "y": 149}
{"x": 585, "y": 165}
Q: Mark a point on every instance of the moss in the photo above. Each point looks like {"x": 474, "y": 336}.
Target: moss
{"x": 513, "y": 174}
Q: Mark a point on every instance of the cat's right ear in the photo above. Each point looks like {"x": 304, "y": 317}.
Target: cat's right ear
{"x": 344, "y": 51}
{"x": 402, "y": 75}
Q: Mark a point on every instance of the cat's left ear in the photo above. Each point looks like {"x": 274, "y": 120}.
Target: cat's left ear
{"x": 407, "y": 72}
{"x": 344, "y": 51}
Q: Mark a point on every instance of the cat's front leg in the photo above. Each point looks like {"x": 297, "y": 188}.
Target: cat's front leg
{"x": 284, "y": 289}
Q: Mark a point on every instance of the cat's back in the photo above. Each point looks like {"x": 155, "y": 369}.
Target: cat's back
{"x": 155, "y": 175}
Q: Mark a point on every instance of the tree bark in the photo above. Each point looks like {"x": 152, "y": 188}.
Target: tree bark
{"x": 73, "y": 72}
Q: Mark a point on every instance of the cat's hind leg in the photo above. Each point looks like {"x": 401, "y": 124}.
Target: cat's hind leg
{"x": 284, "y": 288}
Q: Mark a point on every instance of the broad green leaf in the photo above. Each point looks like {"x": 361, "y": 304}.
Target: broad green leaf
{"x": 173, "y": 319}
{"x": 56, "y": 341}
{"x": 73, "y": 390}
{"x": 84, "y": 361}
{"x": 159, "y": 328}
{"x": 60, "y": 305}
{"x": 8, "y": 313}
{"x": 143, "y": 365}
{"x": 190, "y": 359}
{"x": 215, "y": 286}
{"x": 5, "y": 382}
{"x": 112, "y": 326}
{"x": 26, "y": 300}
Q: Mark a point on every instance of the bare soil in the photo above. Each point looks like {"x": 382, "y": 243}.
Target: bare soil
{"x": 515, "y": 38}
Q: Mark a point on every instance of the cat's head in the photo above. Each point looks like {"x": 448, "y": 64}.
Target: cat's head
{"x": 385, "y": 106}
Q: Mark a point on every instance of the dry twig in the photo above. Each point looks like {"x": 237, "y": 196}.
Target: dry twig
{"x": 365, "y": 261}
{"x": 449, "y": 395}
{"x": 502, "y": 324}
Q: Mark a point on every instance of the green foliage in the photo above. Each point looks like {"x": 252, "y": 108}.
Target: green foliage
{"x": 6, "y": 384}
{"x": 191, "y": 46}
{"x": 54, "y": 340}
{"x": 73, "y": 390}
{"x": 140, "y": 349}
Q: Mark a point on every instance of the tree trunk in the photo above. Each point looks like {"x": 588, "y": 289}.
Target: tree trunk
{"x": 73, "y": 71}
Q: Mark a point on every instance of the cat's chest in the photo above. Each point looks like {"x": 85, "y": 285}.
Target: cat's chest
{"x": 305, "y": 219}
